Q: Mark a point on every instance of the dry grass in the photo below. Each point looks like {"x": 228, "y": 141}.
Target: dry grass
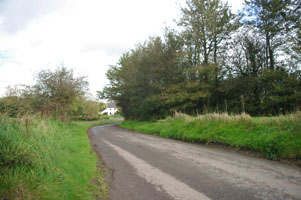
{"x": 213, "y": 118}
{"x": 293, "y": 118}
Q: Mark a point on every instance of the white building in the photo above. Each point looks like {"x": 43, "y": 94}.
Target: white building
{"x": 110, "y": 110}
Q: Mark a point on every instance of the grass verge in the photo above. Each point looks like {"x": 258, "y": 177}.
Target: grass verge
{"x": 272, "y": 137}
{"x": 48, "y": 160}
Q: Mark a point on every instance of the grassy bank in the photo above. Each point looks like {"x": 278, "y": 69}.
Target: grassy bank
{"x": 273, "y": 137}
{"x": 47, "y": 160}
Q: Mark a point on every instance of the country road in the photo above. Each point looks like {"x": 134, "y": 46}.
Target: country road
{"x": 145, "y": 167}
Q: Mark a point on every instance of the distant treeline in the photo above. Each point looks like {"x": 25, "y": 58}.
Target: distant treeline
{"x": 216, "y": 61}
{"x": 58, "y": 94}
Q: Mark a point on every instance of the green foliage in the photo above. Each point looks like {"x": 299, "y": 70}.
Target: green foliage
{"x": 90, "y": 111}
{"x": 214, "y": 64}
{"x": 271, "y": 150}
{"x": 18, "y": 101}
{"x": 102, "y": 106}
{"x": 58, "y": 94}
{"x": 273, "y": 137}
{"x": 82, "y": 108}
{"x": 282, "y": 91}
{"x": 49, "y": 160}
{"x": 56, "y": 90}
{"x": 278, "y": 22}
{"x": 142, "y": 75}
{"x": 207, "y": 24}
{"x": 10, "y": 105}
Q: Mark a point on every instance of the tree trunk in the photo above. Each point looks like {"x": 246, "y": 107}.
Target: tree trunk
{"x": 270, "y": 52}
{"x": 215, "y": 70}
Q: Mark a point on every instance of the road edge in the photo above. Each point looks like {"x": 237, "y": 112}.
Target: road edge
{"x": 101, "y": 166}
{"x": 221, "y": 146}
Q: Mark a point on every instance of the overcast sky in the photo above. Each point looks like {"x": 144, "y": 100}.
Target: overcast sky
{"x": 87, "y": 35}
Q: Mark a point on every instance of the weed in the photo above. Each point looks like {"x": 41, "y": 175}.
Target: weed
{"x": 271, "y": 150}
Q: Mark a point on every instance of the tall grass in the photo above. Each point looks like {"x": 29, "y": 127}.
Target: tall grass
{"x": 273, "y": 137}
{"x": 46, "y": 159}
{"x": 212, "y": 118}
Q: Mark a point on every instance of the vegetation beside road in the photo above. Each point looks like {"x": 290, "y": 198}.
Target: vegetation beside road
{"x": 43, "y": 153}
{"x": 48, "y": 159}
{"x": 273, "y": 137}
{"x": 214, "y": 61}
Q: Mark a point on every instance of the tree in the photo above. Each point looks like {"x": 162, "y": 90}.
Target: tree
{"x": 270, "y": 18}
{"x": 213, "y": 63}
{"x": 90, "y": 110}
{"x": 281, "y": 91}
{"x": 102, "y": 106}
{"x": 56, "y": 90}
{"x": 142, "y": 74}
{"x": 244, "y": 66}
{"x": 293, "y": 33}
{"x": 18, "y": 101}
{"x": 207, "y": 24}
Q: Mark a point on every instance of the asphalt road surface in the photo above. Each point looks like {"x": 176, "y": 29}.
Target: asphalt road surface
{"x": 143, "y": 167}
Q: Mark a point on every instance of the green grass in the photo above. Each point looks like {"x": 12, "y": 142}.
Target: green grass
{"x": 50, "y": 160}
{"x": 273, "y": 137}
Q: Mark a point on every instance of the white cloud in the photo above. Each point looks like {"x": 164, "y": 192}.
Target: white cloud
{"x": 88, "y": 35}
{"x": 16, "y": 14}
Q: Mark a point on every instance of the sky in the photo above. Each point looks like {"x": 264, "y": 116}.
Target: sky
{"x": 85, "y": 35}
